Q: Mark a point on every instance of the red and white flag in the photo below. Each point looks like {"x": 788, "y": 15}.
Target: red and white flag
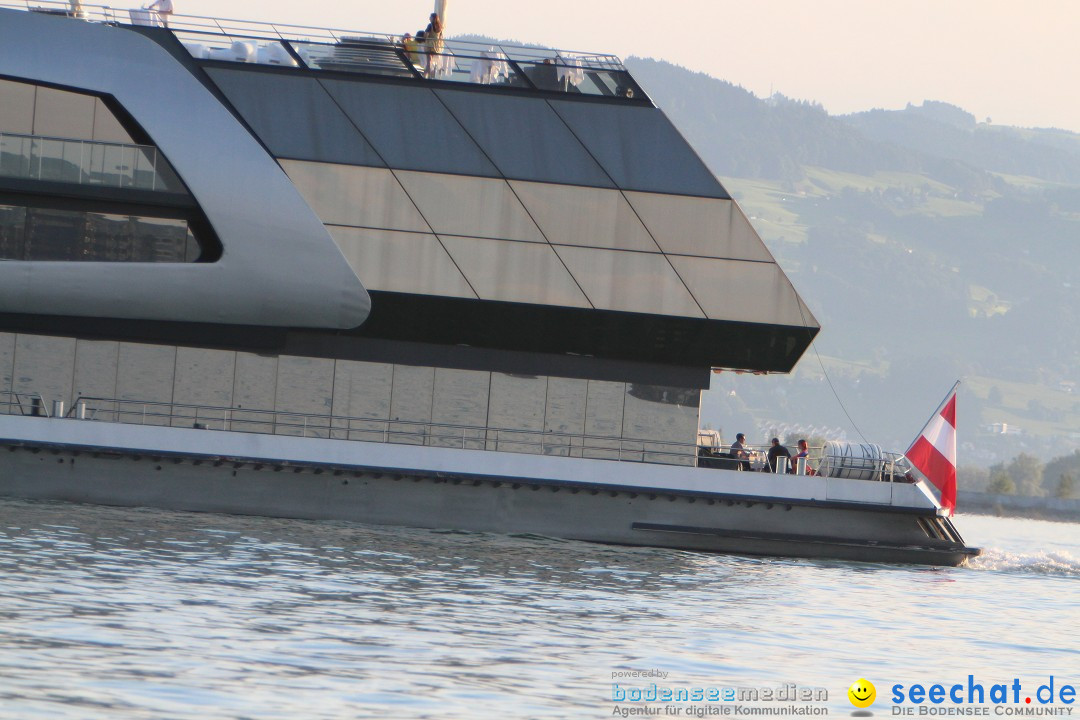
{"x": 934, "y": 452}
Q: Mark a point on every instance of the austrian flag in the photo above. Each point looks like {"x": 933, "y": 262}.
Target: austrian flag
{"x": 934, "y": 452}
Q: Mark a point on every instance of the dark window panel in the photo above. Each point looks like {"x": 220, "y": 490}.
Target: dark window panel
{"x": 524, "y": 138}
{"x": 294, "y": 117}
{"x": 12, "y": 232}
{"x": 41, "y": 234}
{"x": 639, "y": 148}
{"x": 410, "y": 127}
{"x": 17, "y": 107}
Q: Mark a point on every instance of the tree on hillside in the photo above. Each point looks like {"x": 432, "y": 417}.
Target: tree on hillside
{"x": 1027, "y": 472}
{"x": 972, "y": 478}
{"x": 1067, "y": 486}
{"x": 1001, "y": 483}
{"x": 1059, "y": 467}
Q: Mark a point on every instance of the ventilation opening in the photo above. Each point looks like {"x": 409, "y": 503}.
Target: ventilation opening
{"x": 928, "y": 528}
{"x": 939, "y": 529}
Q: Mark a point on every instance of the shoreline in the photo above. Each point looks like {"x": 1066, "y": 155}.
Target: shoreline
{"x": 1034, "y": 508}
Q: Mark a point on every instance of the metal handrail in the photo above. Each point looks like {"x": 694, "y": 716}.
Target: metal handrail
{"x": 11, "y": 401}
{"x": 82, "y": 158}
{"x": 230, "y": 27}
{"x": 891, "y": 467}
{"x": 385, "y": 430}
{"x": 320, "y": 48}
{"x": 309, "y": 33}
{"x": 148, "y": 148}
{"x": 454, "y": 61}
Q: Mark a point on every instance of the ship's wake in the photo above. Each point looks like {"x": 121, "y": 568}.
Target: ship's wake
{"x": 1053, "y": 562}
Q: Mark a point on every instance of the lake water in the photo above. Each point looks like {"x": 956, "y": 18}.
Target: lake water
{"x": 136, "y": 613}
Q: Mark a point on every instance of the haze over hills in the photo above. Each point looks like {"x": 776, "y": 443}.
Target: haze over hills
{"x": 929, "y": 244}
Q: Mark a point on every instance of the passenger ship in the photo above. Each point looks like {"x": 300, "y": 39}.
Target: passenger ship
{"x": 298, "y": 272}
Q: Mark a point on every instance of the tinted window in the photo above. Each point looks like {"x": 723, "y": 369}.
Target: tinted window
{"x": 65, "y": 235}
{"x": 524, "y": 138}
{"x": 294, "y": 117}
{"x": 639, "y": 148}
{"x": 409, "y": 127}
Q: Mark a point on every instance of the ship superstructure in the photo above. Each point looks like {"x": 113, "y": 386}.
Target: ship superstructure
{"x": 456, "y": 278}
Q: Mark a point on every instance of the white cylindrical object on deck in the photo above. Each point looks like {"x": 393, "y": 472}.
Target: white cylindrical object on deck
{"x": 852, "y": 461}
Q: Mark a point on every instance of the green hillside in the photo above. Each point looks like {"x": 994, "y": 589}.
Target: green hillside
{"x": 930, "y": 246}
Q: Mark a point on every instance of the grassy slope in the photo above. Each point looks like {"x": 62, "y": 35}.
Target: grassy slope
{"x": 772, "y": 214}
{"x": 923, "y": 264}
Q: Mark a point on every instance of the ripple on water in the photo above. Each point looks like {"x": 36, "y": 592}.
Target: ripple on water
{"x": 137, "y": 613}
{"x": 1057, "y": 563}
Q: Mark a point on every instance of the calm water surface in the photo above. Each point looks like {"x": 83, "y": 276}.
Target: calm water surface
{"x": 135, "y": 613}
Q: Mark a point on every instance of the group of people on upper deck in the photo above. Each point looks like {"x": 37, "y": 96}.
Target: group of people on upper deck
{"x": 425, "y": 49}
{"x": 778, "y": 459}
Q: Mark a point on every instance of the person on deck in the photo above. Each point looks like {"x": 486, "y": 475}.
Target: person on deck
{"x": 740, "y": 453}
{"x": 433, "y": 39}
{"x": 804, "y": 452}
{"x": 411, "y": 47}
{"x": 776, "y": 452}
{"x": 164, "y": 9}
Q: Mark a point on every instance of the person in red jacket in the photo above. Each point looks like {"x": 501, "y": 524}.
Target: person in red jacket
{"x": 804, "y": 452}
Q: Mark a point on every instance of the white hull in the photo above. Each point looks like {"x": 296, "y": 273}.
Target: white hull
{"x": 592, "y": 500}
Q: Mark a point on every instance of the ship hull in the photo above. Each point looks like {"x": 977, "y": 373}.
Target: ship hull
{"x": 588, "y": 508}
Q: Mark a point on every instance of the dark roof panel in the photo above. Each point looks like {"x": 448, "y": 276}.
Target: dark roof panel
{"x": 639, "y": 148}
{"x": 294, "y": 117}
{"x": 525, "y": 138}
{"x": 409, "y": 127}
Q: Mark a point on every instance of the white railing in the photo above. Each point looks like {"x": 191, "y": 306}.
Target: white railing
{"x": 368, "y": 429}
{"x": 83, "y": 162}
{"x": 888, "y": 467}
{"x": 29, "y": 404}
{"x": 335, "y": 49}
{"x": 235, "y": 28}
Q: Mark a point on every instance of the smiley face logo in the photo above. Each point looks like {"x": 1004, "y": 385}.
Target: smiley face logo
{"x": 862, "y": 693}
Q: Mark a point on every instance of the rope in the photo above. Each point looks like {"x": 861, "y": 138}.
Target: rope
{"x": 827, "y": 378}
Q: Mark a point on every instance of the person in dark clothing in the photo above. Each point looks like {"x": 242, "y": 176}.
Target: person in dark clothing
{"x": 740, "y": 453}
{"x": 776, "y": 452}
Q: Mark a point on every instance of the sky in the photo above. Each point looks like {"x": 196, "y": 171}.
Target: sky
{"x": 1014, "y": 63}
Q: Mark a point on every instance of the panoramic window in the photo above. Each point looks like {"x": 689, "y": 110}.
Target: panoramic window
{"x": 28, "y": 109}
{"x": 44, "y": 234}
{"x": 61, "y": 136}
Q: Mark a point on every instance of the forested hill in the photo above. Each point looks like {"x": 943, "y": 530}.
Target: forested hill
{"x": 773, "y": 139}
{"x": 946, "y": 131}
{"x": 930, "y": 244}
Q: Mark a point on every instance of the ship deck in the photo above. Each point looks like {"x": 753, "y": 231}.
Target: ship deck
{"x": 460, "y": 61}
{"x": 582, "y": 460}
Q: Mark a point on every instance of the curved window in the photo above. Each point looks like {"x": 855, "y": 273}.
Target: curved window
{"x": 30, "y": 109}
{"x": 29, "y": 233}
{"x": 63, "y": 136}
{"x": 88, "y": 163}
{"x": 122, "y": 201}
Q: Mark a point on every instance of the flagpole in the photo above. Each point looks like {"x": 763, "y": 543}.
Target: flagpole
{"x": 940, "y": 407}
{"x": 940, "y": 472}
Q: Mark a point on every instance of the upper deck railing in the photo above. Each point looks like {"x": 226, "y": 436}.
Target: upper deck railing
{"x": 340, "y": 427}
{"x": 85, "y": 162}
{"x": 368, "y": 53}
{"x": 883, "y": 467}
